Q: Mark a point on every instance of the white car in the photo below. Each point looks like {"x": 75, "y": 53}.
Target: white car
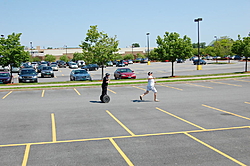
{"x": 81, "y": 63}
{"x": 73, "y": 65}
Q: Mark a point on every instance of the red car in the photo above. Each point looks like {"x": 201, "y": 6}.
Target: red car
{"x": 124, "y": 73}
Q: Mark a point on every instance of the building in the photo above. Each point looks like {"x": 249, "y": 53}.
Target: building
{"x": 69, "y": 51}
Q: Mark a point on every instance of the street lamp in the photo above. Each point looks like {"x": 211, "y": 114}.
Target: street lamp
{"x": 216, "y": 47}
{"x": 66, "y": 49}
{"x": 148, "y": 41}
{"x": 31, "y": 48}
{"x": 198, "y": 20}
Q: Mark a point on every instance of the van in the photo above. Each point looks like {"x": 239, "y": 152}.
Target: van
{"x": 80, "y": 63}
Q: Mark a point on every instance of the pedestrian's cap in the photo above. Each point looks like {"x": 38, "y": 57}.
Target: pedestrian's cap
{"x": 107, "y": 74}
{"x": 150, "y": 72}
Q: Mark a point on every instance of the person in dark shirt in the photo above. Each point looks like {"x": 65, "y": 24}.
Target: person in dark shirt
{"x": 105, "y": 83}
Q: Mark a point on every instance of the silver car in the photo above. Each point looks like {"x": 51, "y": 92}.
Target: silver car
{"x": 80, "y": 75}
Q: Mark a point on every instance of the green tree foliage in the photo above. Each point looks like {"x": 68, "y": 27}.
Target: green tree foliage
{"x": 202, "y": 45}
{"x": 242, "y": 47}
{"x": 128, "y": 56}
{"x": 223, "y": 46}
{"x": 78, "y": 56}
{"x": 98, "y": 47}
{"x": 50, "y": 58}
{"x": 11, "y": 51}
{"x": 172, "y": 47}
{"x": 35, "y": 59}
{"x": 135, "y": 45}
{"x": 64, "y": 58}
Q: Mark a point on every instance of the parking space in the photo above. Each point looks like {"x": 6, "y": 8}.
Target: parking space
{"x": 195, "y": 123}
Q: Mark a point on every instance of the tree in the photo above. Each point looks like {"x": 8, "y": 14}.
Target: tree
{"x": 172, "y": 47}
{"x": 128, "y": 56}
{"x": 242, "y": 47}
{"x": 98, "y": 47}
{"x": 78, "y": 56}
{"x": 135, "y": 45}
{"x": 11, "y": 51}
{"x": 50, "y": 58}
{"x": 64, "y": 58}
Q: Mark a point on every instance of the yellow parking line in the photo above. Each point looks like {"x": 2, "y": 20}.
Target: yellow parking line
{"x": 225, "y": 83}
{"x": 180, "y": 118}
{"x": 120, "y": 123}
{"x": 7, "y": 95}
{"x": 241, "y": 80}
{"x": 62, "y": 74}
{"x": 60, "y": 71}
{"x": 77, "y": 92}
{"x": 139, "y": 88}
{"x": 43, "y": 93}
{"x": 127, "y": 136}
{"x": 200, "y": 85}
{"x": 53, "y": 127}
{"x": 112, "y": 91}
{"x": 26, "y": 155}
{"x": 226, "y": 112}
{"x": 172, "y": 87}
{"x": 214, "y": 149}
{"x": 247, "y": 102}
{"x": 121, "y": 152}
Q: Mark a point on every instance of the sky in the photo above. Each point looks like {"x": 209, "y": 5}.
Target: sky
{"x": 56, "y": 23}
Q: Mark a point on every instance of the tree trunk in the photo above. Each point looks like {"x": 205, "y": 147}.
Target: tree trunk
{"x": 102, "y": 71}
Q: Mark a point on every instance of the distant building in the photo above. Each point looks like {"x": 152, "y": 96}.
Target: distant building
{"x": 69, "y": 51}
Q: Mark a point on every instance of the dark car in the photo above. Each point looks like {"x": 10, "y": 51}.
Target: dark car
{"x": 27, "y": 75}
{"x": 120, "y": 64}
{"x": 124, "y": 73}
{"x": 202, "y": 62}
{"x": 5, "y": 78}
{"x": 39, "y": 68}
{"x": 47, "y": 71}
{"x": 144, "y": 60}
{"x": 80, "y": 75}
{"x": 90, "y": 67}
{"x": 180, "y": 61}
{"x": 62, "y": 64}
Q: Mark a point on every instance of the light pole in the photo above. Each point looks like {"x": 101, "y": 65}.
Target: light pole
{"x": 198, "y": 20}
{"x": 216, "y": 47}
{"x": 66, "y": 49}
{"x": 148, "y": 41}
{"x": 31, "y": 48}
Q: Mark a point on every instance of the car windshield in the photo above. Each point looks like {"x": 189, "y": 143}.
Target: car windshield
{"x": 28, "y": 72}
{"x": 47, "y": 68}
{"x": 73, "y": 63}
{"x": 53, "y": 65}
{"x": 126, "y": 71}
{"x": 81, "y": 72}
{"x": 4, "y": 74}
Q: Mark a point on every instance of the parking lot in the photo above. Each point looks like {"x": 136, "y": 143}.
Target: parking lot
{"x": 160, "y": 69}
{"x": 195, "y": 123}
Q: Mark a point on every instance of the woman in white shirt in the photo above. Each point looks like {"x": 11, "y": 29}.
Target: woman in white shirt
{"x": 150, "y": 86}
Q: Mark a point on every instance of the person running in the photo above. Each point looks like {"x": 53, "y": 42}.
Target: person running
{"x": 150, "y": 86}
{"x": 105, "y": 83}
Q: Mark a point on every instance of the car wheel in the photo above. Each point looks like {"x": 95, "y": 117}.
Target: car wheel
{"x": 115, "y": 77}
{"x": 42, "y": 76}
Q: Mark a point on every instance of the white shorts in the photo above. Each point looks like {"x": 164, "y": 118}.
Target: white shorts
{"x": 151, "y": 88}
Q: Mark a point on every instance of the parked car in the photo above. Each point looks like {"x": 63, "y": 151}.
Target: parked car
{"x": 202, "y": 62}
{"x": 81, "y": 63}
{"x": 79, "y": 75}
{"x": 180, "y": 61}
{"x": 27, "y": 75}
{"x": 73, "y": 65}
{"x": 54, "y": 67}
{"x": 236, "y": 57}
{"x": 120, "y": 64}
{"x": 109, "y": 63}
{"x": 130, "y": 61}
{"x": 144, "y": 60}
{"x": 91, "y": 67}
{"x": 62, "y": 64}
{"x": 124, "y": 73}
{"x": 5, "y": 78}
{"x": 15, "y": 69}
{"x": 39, "y": 68}
{"x": 47, "y": 71}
